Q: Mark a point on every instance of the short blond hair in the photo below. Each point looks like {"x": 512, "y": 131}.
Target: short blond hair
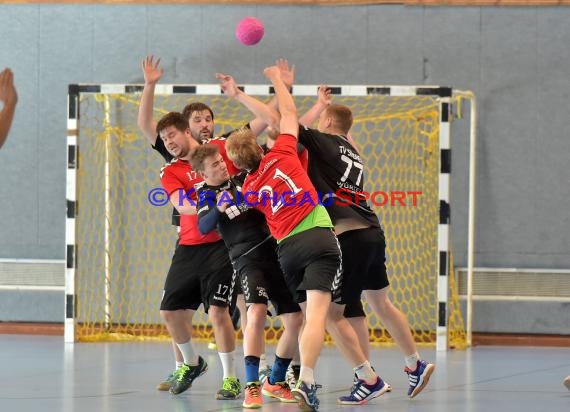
{"x": 243, "y": 150}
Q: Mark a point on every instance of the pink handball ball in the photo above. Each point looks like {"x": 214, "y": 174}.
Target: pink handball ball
{"x": 250, "y": 31}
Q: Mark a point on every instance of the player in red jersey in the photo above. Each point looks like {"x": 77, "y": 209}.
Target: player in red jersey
{"x": 152, "y": 73}
{"x": 200, "y": 272}
{"x": 308, "y": 250}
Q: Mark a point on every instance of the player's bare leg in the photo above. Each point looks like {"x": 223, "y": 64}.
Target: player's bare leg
{"x": 178, "y": 323}
{"x": 225, "y": 340}
{"x": 167, "y": 383}
{"x": 368, "y": 385}
{"x": 419, "y": 371}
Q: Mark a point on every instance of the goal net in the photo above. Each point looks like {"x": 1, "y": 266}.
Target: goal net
{"x": 120, "y": 244}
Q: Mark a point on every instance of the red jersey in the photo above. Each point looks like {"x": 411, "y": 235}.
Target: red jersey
{"x": 280, "y": 188}
{"x": 178, "y": 176}
{"x": 304, "y": 159}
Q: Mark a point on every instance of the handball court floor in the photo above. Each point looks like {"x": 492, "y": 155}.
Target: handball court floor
{"x": 42, "y": 373}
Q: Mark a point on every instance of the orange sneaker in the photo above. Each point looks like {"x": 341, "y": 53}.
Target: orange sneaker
{"x": 253, "y": 398}
{"x": 279, "y": 391}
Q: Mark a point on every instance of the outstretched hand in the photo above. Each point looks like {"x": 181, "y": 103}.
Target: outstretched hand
{"x": 228, "y": 84}
{"x": 151, "y": 70}
{"x": 324, "y": 95}
{"x": 272, "y": 73}
{"x": 287, "y": 73}
{"x": 8, "y": 94}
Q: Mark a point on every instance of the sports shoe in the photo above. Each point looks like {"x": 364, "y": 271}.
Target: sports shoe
{"x": 362, "y": 392}
{"x": 168, "y": 382}
{"x": 355, "y": 381}
{"x": 231, "y": 389}
{"x": 292, "y": 375}
{"x": 419, "y": 378}
{"x": 264, "y": 374}
{"x": 279, "y": 391}
{"x": 186, "y": 374}
{"x": 253, "y": 398}
{"x": 567, "y": 382}
{"x": 306, "y": 396}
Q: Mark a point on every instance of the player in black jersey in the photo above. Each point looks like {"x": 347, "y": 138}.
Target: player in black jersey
{"x": 336, "y": 167}
{"x": 253, "y": 254}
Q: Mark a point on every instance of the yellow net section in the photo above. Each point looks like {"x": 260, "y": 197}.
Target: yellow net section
{"x": 125, "y": 244}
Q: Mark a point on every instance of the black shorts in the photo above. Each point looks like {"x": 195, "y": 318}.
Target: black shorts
{"x": 261, "y": 278}
{"x": 354, "y": 309}
{"x": 311, "y": 261}
{"x": 237, "y": 289}
{"x": 364, "y": 263}
{"x": 198, "y": 274}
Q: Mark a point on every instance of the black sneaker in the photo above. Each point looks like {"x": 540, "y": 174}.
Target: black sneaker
{"x": 186, "y": 374}
{"x": 231, "y": 389}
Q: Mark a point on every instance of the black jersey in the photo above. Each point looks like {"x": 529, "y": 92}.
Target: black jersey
{"x": 161, "y": 148}
{"x": 337, "y": 171}
{"x": 241, "y": 227}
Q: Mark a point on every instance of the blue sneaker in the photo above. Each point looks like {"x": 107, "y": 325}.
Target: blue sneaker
{"x": 306, "y": 396}
{"x": 419, "y": 378}
{"x": 362, "y": 392}
{"x": 355, "y": 382}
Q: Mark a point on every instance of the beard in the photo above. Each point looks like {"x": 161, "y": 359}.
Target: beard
{"x": 202, "y": 135}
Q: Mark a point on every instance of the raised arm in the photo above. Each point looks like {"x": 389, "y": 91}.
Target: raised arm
{"x": 152, "y": 74}
{"x": 288, "y": 77}
{"x": 264, "y": 114}
{"x": 9, "y": 98}
{"x": 289, "y": 124}
{"x": 324, "y": 100}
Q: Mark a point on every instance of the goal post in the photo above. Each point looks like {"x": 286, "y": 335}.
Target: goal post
{"x": 119, "y": 245}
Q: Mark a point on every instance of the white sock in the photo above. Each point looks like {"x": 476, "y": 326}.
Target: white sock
{"x": 228, "y": 364}
{"x": 307, "y": 375}
{"x": 263, "y": 362}
{"x": 412, "y": 361}
{"x": 179, "y": 364}
{"x": 188, "y": 353}
{"x": 365, "y": 372}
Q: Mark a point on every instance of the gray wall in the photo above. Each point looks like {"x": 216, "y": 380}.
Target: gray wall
{"x": 514, "y": 59}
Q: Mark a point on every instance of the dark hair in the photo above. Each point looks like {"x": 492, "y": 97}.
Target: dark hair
{"x": 172, "y": 119}
{"x": 200, "y": 154}
{"x": 196, "y": 107}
